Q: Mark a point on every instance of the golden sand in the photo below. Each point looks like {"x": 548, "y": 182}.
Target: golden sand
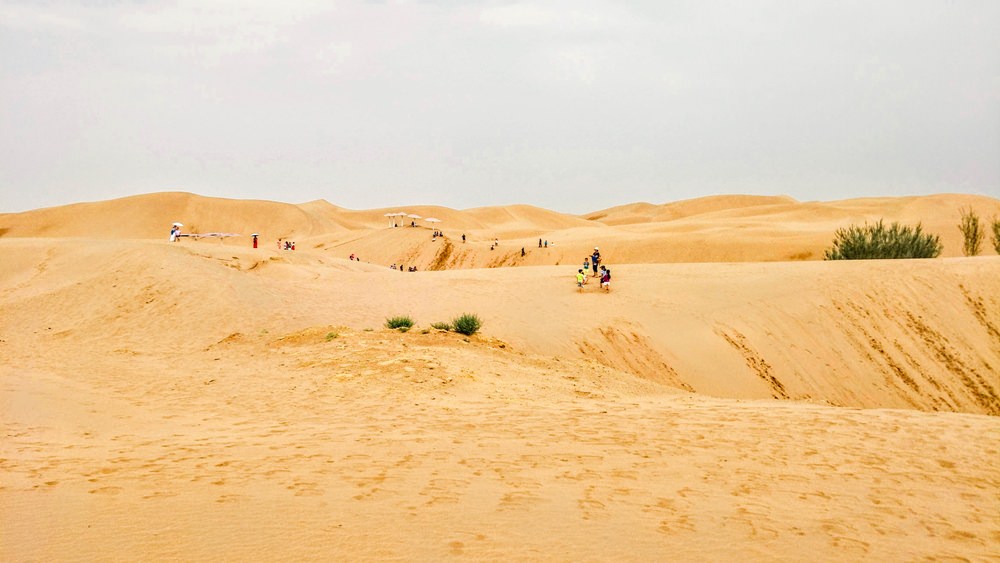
{"x": 732, "y": 397}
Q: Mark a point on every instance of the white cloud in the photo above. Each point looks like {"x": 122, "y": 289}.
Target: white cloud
{"x": 517, "y": 15}
{"x": 577, "y": 63}
{"x": 332, "y": 56}
{"x": 39, "y": 18}
{"x": 562, "y": 16}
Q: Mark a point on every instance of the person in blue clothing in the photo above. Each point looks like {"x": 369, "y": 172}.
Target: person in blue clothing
{"x": 595, "y": 259}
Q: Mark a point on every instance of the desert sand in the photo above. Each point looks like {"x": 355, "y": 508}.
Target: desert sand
{"x": 732, "y": 397}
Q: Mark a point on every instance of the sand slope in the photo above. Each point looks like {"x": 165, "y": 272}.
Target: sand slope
{"x": 922, "y": 334}
{"x": 200, "y": 400}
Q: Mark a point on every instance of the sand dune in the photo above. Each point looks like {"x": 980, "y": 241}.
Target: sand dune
{"x": 206, "y": 400}
{"x": 646, "y": 212}
{"x": 715, "y": 229}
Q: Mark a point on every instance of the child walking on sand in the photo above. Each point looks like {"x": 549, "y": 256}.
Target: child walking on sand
{"x": 581, "y": 278}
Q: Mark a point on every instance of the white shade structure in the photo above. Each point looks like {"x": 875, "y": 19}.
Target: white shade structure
{"x": 432, "y": 220}
{"x": 414, "y": 216}
{"x": 393, "y": 215}
{"x": 178, "y": 224}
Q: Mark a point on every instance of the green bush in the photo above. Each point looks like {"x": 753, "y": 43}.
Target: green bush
{"x": 400, "y": 322}
{"x": 996, "y": 235}
{"x": 972, "y": 233}
{"x": 467, "y": 324}
{"x": 441, "y": 326}
{"x": 874, "y": 242}
{"x": 331, "y": 335}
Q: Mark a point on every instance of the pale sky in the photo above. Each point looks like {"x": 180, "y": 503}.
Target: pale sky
{"x": 573, "y": 105}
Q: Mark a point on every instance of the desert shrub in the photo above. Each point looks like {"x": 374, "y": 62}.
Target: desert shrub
{"x": 331, "y": 335}
{"x": 467, "y": 324}
{"x": 400, "y": 322}
{"x": 873, "y": 242}
{"x": 972, "y": 233}
{"x": 996, "y": 235}
{"x": 441, "y": 326}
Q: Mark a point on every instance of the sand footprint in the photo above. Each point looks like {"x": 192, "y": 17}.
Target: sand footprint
{"x": 105, "y": 491}
{"x": 443, "y": 491}
{"x": 519, "y": 500}
{"x": 303, "y": 489}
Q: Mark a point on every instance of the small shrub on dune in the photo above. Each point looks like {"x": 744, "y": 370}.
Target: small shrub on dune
{"x": 402, "y": 323}
{"x": 996, "y": 234}
{"x": 441, "y": 326}
{"x": 972, "y": 233}
{"x": 878, "y": 242}
{"x": 467, "y": 324}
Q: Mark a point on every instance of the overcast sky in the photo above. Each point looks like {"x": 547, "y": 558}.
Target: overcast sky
{"x": 572, "y": 105}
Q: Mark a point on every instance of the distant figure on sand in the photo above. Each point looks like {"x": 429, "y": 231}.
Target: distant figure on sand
{"x": 463, "y": 237}
{"x": 605, "y": 279}
{"x": 581, "y": 278}
{"x": 586, "y": 263}
{"x": 595, "y": 259}
{"x": 522, "y": 252}
{"x": 173, "y": 233}
{"x": 254, "y": 240}
{"x": 539, "y": 243}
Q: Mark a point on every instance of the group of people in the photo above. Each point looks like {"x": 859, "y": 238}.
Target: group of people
{"x": 594, "y": 260}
